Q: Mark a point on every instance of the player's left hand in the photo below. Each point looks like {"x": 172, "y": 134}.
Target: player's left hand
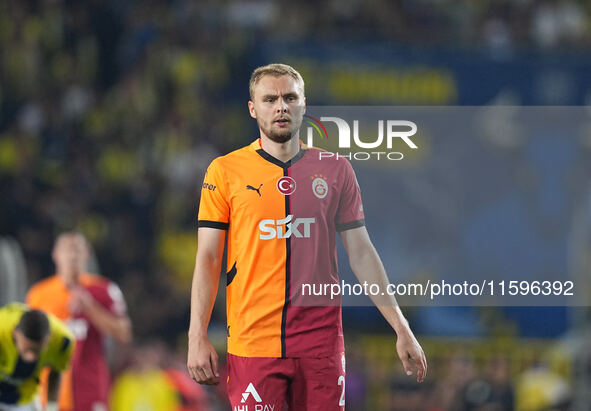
{"x": 411, "y": 354}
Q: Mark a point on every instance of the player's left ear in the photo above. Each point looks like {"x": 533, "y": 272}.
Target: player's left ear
{"x": 251, "y": 109}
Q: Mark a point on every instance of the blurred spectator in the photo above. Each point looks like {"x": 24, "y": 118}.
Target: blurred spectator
{"x": 490, "y": 392}
{"x": 540, "y": 388}
{"x": 13, "y": 273}
{"x": 458, "y": 372}
{"x": 153, "y": 382}
{"x": 558, "y": 22}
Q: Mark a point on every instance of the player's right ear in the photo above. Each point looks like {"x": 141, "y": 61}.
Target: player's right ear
{"x": 251, "y": 109}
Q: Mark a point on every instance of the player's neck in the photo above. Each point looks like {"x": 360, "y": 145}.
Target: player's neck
{"x": 69, "y": 279}
{"x": 281, "y": 151}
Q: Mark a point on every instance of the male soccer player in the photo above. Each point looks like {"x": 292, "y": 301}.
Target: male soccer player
{"x": 93, "y": 307}
{"x": 30, "y": 340}
{"x": 281, "y": 207}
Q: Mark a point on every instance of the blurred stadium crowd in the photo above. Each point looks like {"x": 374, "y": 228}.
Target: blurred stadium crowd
{"x": 110, "y": 111}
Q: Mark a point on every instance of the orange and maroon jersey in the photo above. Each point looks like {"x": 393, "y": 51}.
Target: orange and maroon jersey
{"x": 281, "y": 221}
{"x": 86, "y": 384}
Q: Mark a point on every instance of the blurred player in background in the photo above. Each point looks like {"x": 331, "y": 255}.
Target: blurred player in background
{"x": 282, "y": 208}
{"x": 93, "y": 308}
{"x": 30, "y": 340}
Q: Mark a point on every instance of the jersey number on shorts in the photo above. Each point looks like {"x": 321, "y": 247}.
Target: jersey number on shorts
{"x": 341, "y": 381}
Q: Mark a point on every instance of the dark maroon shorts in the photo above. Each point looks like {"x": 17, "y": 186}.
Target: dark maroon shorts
{"x": 278, "y": 384}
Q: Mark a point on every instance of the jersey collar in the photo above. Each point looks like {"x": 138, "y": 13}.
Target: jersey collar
{"x": 256, "y": 145}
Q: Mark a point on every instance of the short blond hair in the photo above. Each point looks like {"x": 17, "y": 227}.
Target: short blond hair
{"x": 275, "y": 70}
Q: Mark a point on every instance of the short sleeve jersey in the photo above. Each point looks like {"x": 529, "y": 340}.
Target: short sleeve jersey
{"x": 88, "y": 381}
{"x": 281, "y": 220}
{"x": 19, "y": 381}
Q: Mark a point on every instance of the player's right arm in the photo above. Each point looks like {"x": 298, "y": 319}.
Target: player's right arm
{"x": 202, "y": 359}
{"x": 53, "y": 386}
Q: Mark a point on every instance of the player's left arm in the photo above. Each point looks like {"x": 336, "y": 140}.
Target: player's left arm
{"x": 367, "y": 266}
{"x": 115, "y": 324}
{"x": 60, "y": 351}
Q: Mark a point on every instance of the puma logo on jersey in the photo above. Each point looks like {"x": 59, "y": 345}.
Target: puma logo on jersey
{"x": 274, "y": 228}
{"x": 258, "y": 190}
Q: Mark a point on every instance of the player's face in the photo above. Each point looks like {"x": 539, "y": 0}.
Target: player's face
{"x": 70, "y": 254}
{"x": 28, "y": 350}
{"x": 278, "y": 107}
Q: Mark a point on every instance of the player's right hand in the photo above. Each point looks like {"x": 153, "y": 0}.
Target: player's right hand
{"x": 202, "y": 362}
